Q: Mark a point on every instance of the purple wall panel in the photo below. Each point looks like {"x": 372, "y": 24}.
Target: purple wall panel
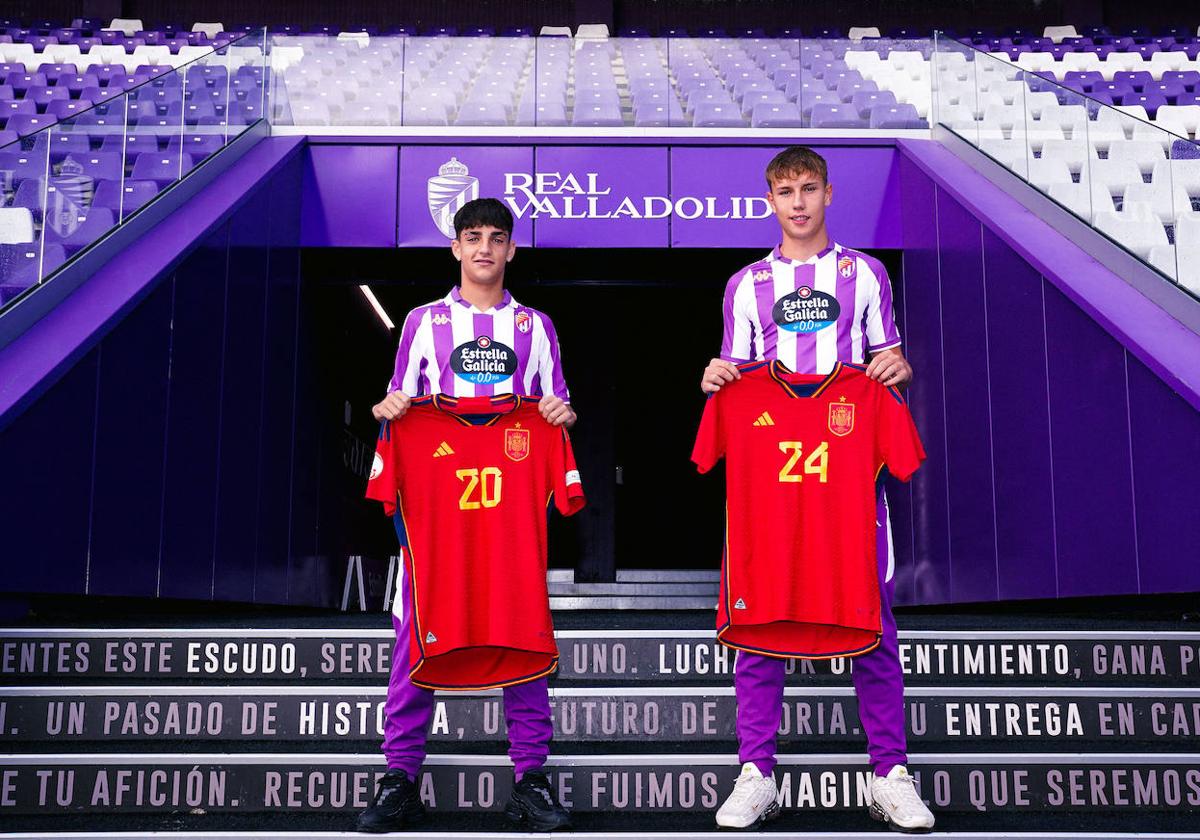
{"x": 1093, "y": 495}
{"x": 1020, "y": 424}
{"x": 633, "y": 172}
{"x": 193, "y": 414}
{"x": 46, "y": 459}
{"x": 350, "y": 196}
{"x": 740, "y": 174}
{"x": 425, "y": 189}
{"x": 968, "y": 424}
{"x": 928, "y": 579}
{"x": 1166, "y": 452}
{"x": 243, "y": 413}
{"x": 131, "y": 429}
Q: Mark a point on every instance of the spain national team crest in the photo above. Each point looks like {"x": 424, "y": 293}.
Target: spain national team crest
{"x": 841, "y": 418}
{"x": 448, "y": 192}
{"x": 516, "y": 443}
{"x": 524, "y": 322}
{"x": 846, "y": 266}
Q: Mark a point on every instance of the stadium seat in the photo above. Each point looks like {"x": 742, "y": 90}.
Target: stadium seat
{"x": 93, "y": 224}
{"x": 836, "y": 116}
{"x": 16, "y": 225}
{"x": 1139, "y": 235}
{"x": 717, "y": 115}
{"x": 161, "y": 168}
{"x": 1145, "y": 153}
{"x": 1163, "y": 202}
{"x": 1044, "y": 172}
{"x": 899, "y": 116}
{"x": 123, "y": 198}
{"x": 857, "y": 33}
{"x": 776, "y": 115}
{"x": 1178, "y": 172}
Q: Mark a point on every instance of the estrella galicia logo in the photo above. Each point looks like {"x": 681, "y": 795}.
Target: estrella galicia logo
{"x": 805, "y": 311}
{"x": 483, "y": 361}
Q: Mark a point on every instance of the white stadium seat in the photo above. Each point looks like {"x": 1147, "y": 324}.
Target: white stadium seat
{"x": 1187, "y": 230}
{"x": 1179, "y": 173}
{"x": 127, "y": 25}
{"x": 152, "y": 55}
{"x": 1074, "y": 152}
{"x": 1036, "y": 62}
{"x": 107, "y": 54}
{"x": 1011, "y": 154}
{"x": 1182, "y": 119}
{"x": 1043, "y": 172}
{"x": 857, "y": 33}
{"x": 592, "y": 31}
{"x": 1036, "y": 103}
{"x": 1163, "y": 202}
{"x": 1081, "y": 201}
{"x": 1183, "y": 264}
{"x": 63, "y": 54}
{"x": 16, "y": 225}
{"x": 1121, "y": 61}
{"x": 1145, "y": 153}
{"x": 1114, "y": 175}
{"x": 19, "y": 54}
{"x": 1161, "y": 61}
{"x": 212, "y": 30}
{"x": 1057, "y": 33}
{"x": 1139, "y": 235}
{"x": 1070, "y": 119}
{"x": 555, "y": 30}
{"x": 1080, "y": 62}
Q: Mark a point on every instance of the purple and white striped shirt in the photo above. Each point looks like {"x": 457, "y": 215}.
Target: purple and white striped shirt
{"x": 450, "y": 347}
{"x": 834, "y": 307}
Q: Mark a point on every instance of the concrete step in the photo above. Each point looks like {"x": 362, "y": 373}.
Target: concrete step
{"x": 53, "y": 718}
{"x": 280, "y": 784}
{"x": 255, "y": 655}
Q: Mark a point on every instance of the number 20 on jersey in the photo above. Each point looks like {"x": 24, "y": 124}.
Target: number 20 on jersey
{"x": 817, "y": 462}
{"x": 483, "y": 488}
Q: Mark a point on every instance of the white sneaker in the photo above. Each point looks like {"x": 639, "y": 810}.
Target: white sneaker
{"x": 754, "y": 800}
{"x": 895, "y": 801}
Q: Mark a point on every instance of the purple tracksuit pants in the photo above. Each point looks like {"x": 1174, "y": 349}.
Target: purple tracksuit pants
{"x": 409, "y": 708}
{"x": 878, "y": 682}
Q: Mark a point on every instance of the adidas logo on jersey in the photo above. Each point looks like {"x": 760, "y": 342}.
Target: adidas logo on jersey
{"x": 430, "y": 638}
{"x": 740, "y": 605}
{"x": 443, "y": 449}
{"x": 764, "y": 419}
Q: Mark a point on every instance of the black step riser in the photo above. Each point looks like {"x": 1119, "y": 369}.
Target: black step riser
{"x": 1167, "y": 720}
{"x": 951, "y": 658}
{"x": 299, "y": 784}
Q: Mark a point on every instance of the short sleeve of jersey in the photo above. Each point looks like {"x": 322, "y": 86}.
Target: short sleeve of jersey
{"x": 568, "y": 489}
{"x": 381, "y": 486}
{"x": 897, "y": 441}
{"x": 880, "y": 319}
{"x": 710, "y": 439}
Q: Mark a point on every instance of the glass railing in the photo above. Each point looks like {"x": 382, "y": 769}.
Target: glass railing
{"x": 1130, "y": 170}
{"x": 370, "y": 81}
{"x": 83, "y": 154}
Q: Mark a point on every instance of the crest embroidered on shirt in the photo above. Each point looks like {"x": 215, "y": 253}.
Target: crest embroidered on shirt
{"x": 430, "y": 638}
{"x": 740, "y": 605}
{"x": 524, "y": 322}
{"x": 516, "y": 443}
{"x": 841, "y": 417}
{"x": 846, "y": 266}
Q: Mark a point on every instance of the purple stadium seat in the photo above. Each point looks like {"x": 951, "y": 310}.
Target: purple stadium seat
{"x": 31, "y": 194}
{"x": 199, "y": 146}
{"x": 97, "y": 95}
{"x": 95, "y": 223}
{"x": 1136, "y": 79}
{"x": 1192, "y": 50}
{"x": 100, "y": 166}
{"x": 1189, "y": 99}
{"x": 7, "y": 137}
{"x": 1190, "y": 79}
{"x": 23, "y": 165}
{"x": 123, "y": 198}
{"x": 717, "y": 115}
{"x": 1170, "y": 90}
{"x": 68, "y": 109}
{"x": 76, "y": 82}
{"x": 53, "y": 72}
{"x": 596, "y": 115}
{"x": 809, "y": 100}
{"x": 866, "y": 101}
{"x": 21, "y": 82}
{"x": 131, "y": 144}
{"x": 659, "y": 114}
{"x": 43, "y": 96}
{"x": 26, "y": 124}
{"x": 1150, "y": 101}
{"x": 836, "y": 116}
{"x": 61, "y": 143}
{"x": 1102, "y": 96}
{"x": 160, "y": 167}
{"x": 896, "y": 116}
{"x": 846, "y": 90}
{"x": 1113, "y": 89}
{"x": 1147, "y": 50}
{"x": 776, "y": 115}
{"x": 245, "y": 113}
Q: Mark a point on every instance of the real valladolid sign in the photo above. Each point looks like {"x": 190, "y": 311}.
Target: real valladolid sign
{"x": 571, "y": 195}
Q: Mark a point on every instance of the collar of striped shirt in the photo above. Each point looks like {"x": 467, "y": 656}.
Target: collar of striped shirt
{"x": 455, "y": 296}
{"x": 777, "y": 254}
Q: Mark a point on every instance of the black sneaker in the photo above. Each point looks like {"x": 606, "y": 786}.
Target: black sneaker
{"x": 534, "y": 806}
{"x": 396, "y": 807}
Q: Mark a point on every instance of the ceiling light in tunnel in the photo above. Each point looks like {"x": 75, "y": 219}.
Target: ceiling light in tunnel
{"x": 377, "y": 306}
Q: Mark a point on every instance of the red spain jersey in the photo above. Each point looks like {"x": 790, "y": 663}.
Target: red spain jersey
{"x": 472, "y": 478}
{"x": 803, "y": 454}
